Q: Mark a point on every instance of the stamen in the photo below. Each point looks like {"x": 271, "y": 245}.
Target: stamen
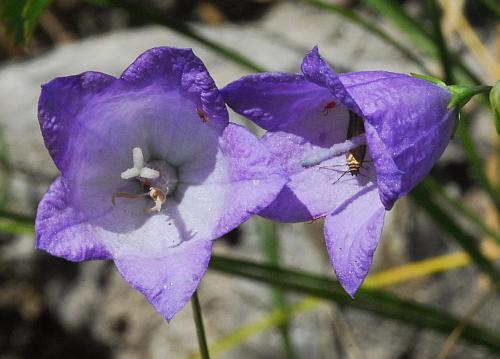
{"x": 334, "y": 151}
{"x": 158, "y": 197}
{"x": 126, "y": 195}
{"x": 139, "y": 170}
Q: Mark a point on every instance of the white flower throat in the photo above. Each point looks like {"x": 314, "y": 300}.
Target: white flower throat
{"x": 157, "y": 179}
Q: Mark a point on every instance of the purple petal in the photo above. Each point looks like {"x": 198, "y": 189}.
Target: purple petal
{"x": 352, "y": 233}
{"x": 407, "y": 126}
{"x": 179, "y": 69}
{"x": 70, "y": 105}
{"x": 244, "y": 180}
{"x": 274, "y": 100}
{"x": 318, "y": 71}
{"x": 313, "y": 192}
{"x": 59, "y": 105}
{"x": 407, "y": 123}
{"x": 169, "y": 278}
{"x": 256, "y": 177}
{"x": 61, "y": 231}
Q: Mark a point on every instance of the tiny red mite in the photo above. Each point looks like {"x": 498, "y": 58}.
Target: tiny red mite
{"x": 328, "y": 107}
{"x": 202, "y": 114}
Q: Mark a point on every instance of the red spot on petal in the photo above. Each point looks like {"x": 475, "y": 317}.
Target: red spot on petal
{"x": 203, "y": 116}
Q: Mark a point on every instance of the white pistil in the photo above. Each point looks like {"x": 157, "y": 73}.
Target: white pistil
{"x": 336, "y": 150}
{"x": 139, "y": 170}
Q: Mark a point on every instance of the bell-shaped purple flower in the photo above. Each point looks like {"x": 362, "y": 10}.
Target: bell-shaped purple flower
{"x": 352, "y": 144}
{"x": 151, "y": 172}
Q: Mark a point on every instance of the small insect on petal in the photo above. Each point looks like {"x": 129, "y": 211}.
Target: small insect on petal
{"x": 328, "y": 107}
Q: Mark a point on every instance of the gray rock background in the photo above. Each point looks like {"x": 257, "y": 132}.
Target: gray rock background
{"x": 90, "y": 311}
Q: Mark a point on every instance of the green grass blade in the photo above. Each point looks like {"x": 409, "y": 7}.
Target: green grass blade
{"x": 20, "y": 17}
{"x": 421, "y": 37}
{"x": 493, "y": 6}
{"x": 414, "y": 30}
{"x": 270, "y": 247}
{"x": 373, "y": 301}
{"x": 437, "y": 191}
{"x": 371, "y": 27}
{"x": 424, "y": 199}
{"x": 476, "y": 162}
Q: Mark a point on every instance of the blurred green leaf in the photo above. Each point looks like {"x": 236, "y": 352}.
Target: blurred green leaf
{"x": 374, "y": 301}
{"x": 21, "y": 17}
{"x": 15, "y": 228}
{"x": 31, "y": 13}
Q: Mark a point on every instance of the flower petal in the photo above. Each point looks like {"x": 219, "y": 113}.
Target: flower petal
{"x": 274, "y": 100}
{"x": 407, "y": 123}
{"x": 61, "y": 231}
{"x": 313, "y": 192}
{"x": 352, "y": 233}
{"x": 318, "y": 71}
{"x": 244, "y": 180}
{"x": 59, "y": 105}
{"x": 169, "y": 278}
{"x": 407, "y": 126}
{"x": 180, "y": 69}
{"x": 71, "y": 104}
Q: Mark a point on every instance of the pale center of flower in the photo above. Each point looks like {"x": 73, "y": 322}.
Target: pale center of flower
{"x": 157, "y": 180}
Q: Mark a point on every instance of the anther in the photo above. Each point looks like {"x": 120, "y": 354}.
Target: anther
{"x": 158, "y": 197}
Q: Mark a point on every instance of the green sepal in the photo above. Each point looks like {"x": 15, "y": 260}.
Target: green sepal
{"x": 461, "y": 94}
{"x": 429, "y": 78}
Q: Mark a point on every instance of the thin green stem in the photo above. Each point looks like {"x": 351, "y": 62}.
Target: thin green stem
{"x": 444, "y": 56}
{"x": 200, "y": 331}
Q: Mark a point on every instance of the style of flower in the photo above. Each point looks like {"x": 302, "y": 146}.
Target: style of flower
{"x": 352, "y": 144}
{"x": 151, "y": 172}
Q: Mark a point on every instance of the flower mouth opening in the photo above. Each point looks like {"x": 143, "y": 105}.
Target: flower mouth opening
{"x": 157, "y": 179}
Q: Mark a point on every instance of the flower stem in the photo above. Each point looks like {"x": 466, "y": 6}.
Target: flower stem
{"x": 200, "y": 331}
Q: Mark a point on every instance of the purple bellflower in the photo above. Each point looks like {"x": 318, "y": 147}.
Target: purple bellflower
{"x": 151, "y": 172}
{"x": 352, "y": 144}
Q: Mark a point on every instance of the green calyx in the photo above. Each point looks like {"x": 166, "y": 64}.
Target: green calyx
{"x": 461, "y": 94}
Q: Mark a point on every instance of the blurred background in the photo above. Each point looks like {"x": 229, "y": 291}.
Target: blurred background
{"x": 425, "y": 297}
